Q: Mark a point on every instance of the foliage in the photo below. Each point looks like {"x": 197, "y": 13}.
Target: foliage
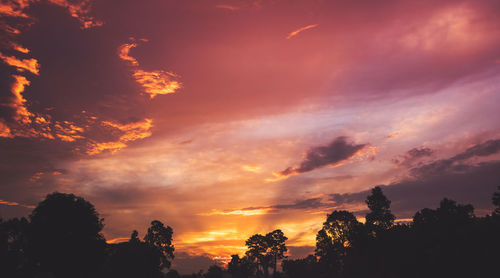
{"x": 64, "y": 236}
{"x": 160, "y": 237}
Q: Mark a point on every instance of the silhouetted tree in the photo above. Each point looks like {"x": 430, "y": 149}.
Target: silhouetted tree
{"x": 241, "y": 268}
{"x": 340, "y": 232}
{"x": 65, "y": 236}
{"x": 134, "y": 258}
{"x": 277, "y": 248}
{"x": 161, "y": 237}
{"x": 267, "y": 250}
{"x": 14, "y": 261}
{"x": 301, "y": 268}
{"x": 258, "y": 249}
{"x": 496, "y": 200}
{"x": 172, "y": 274}
{"x": 214, "y": 271}
{"x": 380, "y": 216}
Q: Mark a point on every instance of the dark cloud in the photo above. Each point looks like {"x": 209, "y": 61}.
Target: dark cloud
{"x": 437, "y": 167}
{"x": 311, "y": 203}
{"x": 466, "y": 183}
{"x": 412, "y": 156}
{"x": 338, "y": 150}
{"x": 474, "y": 184}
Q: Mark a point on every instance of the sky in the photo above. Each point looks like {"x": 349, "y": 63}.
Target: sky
{"x": 227, "y": 118}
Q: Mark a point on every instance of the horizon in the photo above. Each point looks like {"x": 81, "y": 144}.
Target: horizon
{"x": 229, "y": 118}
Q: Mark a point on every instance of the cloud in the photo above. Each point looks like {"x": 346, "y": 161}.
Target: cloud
{"x": 296, "y": 32}
{"x": 80, "y": 10}
{"x": 157, "y": 82}
{"x": 186, "y": 263}
{"x": 129, "y": 132}
{"x": 335, "y": 152}
{"x": 22, "y": 114}
{"x": 435, "y": 168}
{"x": 305, "y": 204}
{"x": 412, "y": 156}
{"x": 7, "y": 203}
{"x": 124, "y": 53}
{"x": 21, "y": 65}
{"x": 464, "y": 182}
{"x": 228, "y": 7}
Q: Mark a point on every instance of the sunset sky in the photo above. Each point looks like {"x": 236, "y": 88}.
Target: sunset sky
{"x": 223, "y": 119}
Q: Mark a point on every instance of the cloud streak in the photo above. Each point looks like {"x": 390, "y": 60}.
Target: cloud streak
{"x": 332, "y": 154}
{"x": 296, "y": 32}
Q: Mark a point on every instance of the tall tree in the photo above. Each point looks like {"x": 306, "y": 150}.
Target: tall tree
{"x": 257, "y": 249}
{"x": 496, "y": 200}
{"x": 161, "y": 237}
{"x": 340, "y": 232}
{"x": 380, "y": 216}
{"x": 277, "y": 248}
{"x": 65, "y": 236}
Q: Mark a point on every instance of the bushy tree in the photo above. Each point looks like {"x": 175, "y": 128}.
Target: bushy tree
{"x": 340, "y": 232}
{"x": 160, "y": 237}
{"x": 65, "y": 236}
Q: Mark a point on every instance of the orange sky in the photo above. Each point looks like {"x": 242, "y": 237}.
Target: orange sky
{"x": 228, "y": 118}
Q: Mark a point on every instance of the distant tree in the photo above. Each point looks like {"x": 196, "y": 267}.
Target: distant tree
{"x": 301, "y": 268}
{"x": 496, "y": 200}
{"x": 161, "y": 237}
{"x": 380, "y": 216}
{"x": 214, "y": 271}
{"x": 241, "y": 267}
{"x": 14, "y": 261}
{"x": 172, "y": 274}
{"x": 65, "y": 236}
{"x": 448, "y": 215}
{"x": 134, "y": 258}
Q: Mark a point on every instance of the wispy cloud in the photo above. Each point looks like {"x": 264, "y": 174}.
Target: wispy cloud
{"x": 157, "y": 82}
{"x": 7, "y": 203}
{"x": 227, "y": 7}
{"x": 296, "y": 32}
{"x": 21, "y": 65}
{"x": 130, "y": 132}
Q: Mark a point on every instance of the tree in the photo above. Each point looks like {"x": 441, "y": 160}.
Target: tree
{"x": 134, "y": 258}
{"x": 301, "y": 268}
{"x": 340, "y": 232}
{"x": 65, "y": 236}
{"x": 496, "y": 200}
{"x": 214, "y": 271}
{"x": 277, "y": 248}
{"x": 13, "y": 245}
{"x": 160, "y": 237}
{"x": 172, "y": 274}
{"x": 380, "y": 216}
{"x": 257, "y": 248}
{"x": 241, "y": 268}
{"x": 267, "y": 250}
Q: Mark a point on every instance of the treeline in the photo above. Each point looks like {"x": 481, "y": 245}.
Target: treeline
{"x": 449, "y": 241}
{"x": 62, "y": 238}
